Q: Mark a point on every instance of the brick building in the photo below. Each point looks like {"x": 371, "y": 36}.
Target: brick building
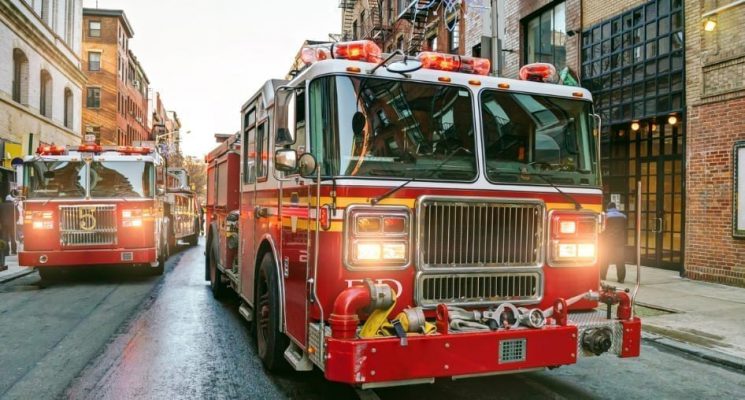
{"x": 456, "y": 27}
{"x": 115, "y": 104}
{"x": 715, "y": 94}
{"x": 41, "y": 82}
{"x": 671, "y": 94}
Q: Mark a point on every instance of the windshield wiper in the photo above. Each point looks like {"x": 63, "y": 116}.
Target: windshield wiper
{"x": 577, "y": 205}
{"x": 378, "y": 199}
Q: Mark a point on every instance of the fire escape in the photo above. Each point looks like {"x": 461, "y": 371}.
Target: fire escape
{"x": 418, "y": 12}
{"x": 371, "y": 27}
{"x": 347, "y": 19}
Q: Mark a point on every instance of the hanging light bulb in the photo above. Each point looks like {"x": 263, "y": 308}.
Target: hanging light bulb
{"x": 635, "y": 126}
{"x": 672, "y": 119}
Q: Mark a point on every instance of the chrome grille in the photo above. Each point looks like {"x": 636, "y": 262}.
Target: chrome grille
{"x": 479, "y": 232}
{"x": 88, "y": 225}
{"x": 478, "y": 289}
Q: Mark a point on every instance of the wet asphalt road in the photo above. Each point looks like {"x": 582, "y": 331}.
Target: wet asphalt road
{"x": 122, "y": 335}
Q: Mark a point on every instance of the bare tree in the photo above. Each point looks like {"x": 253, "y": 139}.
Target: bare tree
{"x": 197, "y": 170}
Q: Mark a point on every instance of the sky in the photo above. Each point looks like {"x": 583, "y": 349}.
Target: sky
{"x": 206, "y": 58}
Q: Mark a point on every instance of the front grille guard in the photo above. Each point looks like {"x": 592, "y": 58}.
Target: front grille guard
{"x": 467, "y": 274}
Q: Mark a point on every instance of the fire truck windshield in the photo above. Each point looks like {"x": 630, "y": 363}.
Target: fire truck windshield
{"x": 385, "y": 128}
{"x": 53, "y": 179}
{"x": 97, "y": 179}
{"x": 122, "y": 179}
{"x": 531, "y": 138}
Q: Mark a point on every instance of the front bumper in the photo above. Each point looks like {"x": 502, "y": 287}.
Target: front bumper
{"x": 384, "y": 361}
{"x": 82, "y": 257}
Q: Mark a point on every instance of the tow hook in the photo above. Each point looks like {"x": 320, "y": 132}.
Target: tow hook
{"x": 597, "y": 340}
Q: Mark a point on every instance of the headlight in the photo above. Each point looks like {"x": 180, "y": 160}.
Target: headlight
{"x": 573, "y": 238}
{"x": 133, "y": 218}
{"x": 377, "y": 237}
{"x": 39, "y": 219}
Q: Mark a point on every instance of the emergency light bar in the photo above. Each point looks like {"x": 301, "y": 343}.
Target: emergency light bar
{"x": 539, "y": 72}
{"x": 47, "y": 150}
{"x": 454, "y": 63}
{"x": 359, "y": 50}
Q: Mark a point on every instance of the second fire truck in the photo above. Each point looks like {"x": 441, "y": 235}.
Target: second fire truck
{"x": 392, "y": 220}
{"x": 94, "y": 205}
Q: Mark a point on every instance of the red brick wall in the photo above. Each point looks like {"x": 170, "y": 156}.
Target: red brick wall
{"x": 711, "y": 252}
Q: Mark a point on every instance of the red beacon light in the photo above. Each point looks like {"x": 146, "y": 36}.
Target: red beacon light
{"x": 360, "y": 50}
{"x": 134, "y": 150}
{"x": 90, "y": 148}
{"x": 539, "y": 72}
{"x": 454, "y": 63}
{"x": 51, "y": 150}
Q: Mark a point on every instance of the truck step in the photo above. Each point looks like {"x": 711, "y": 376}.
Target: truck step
{"x": 298, "y": 358}
{"x": 246, "y": 312}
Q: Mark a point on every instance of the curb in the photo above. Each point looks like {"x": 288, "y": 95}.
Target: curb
{"x": 20, "y": 274}
{"x": 706, "y": 354}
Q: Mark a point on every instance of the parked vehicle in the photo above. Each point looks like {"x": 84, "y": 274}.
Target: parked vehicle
{"x": 182, "y": 206}
{"x": 392, "y": 220}
{"x": 94, "y": 205}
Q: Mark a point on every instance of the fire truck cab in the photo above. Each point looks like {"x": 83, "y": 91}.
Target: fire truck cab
{"x": 392, "y": 220}
{"x": 90, "y": 205}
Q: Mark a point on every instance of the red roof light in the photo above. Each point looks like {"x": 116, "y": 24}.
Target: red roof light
{"x": 47, "y": 150}
{"x": 361, "y": 50}
{"x": 454, "y": 63}
{"x": 538, "y": 72}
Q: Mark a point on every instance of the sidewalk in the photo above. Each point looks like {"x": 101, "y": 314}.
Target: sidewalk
{"x": 705, "y": 319}
{"x": 13, "y": 271}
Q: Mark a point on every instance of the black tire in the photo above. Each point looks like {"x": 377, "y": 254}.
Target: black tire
{"x": 217, "y": 283}
{"x": 270, "y": 342}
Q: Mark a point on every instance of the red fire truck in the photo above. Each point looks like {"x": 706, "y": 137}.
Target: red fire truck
{"x": 182, "y": 207}
{"x": 90, "y": 205}
{"x": 392, "y": 220}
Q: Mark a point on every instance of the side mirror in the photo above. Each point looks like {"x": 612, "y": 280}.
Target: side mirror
{"x": 285, "y": 160}
{"x": 307, "y": 165}
{"x": 15, "y": 192}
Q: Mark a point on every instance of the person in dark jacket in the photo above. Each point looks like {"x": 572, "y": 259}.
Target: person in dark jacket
{"x": 614, "y": 242}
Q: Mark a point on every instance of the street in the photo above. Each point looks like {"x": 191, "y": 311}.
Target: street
{"x": 123, "y": 334}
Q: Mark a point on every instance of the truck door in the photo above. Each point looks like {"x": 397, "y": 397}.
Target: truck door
{"x": 247, "y": 224}
{"x": 295, "y": 207}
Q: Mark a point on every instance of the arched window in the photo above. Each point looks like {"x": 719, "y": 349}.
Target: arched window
{"x": 20, "y": 77}
{"x": 68, "y": 108}
{"x": 45, "y": 94}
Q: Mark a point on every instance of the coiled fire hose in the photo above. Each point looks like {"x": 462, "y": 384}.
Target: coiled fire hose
{"x": 410, "y": 320}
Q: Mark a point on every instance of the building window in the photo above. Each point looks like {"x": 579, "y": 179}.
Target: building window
{"x": 400, "y": 43}
{"x": 20, "y": 77}
{"x": 546, "y": 37}
{"x": 355, "y": 34}
{"x": 454, "y": 35}
{"x": 432, "y": 43}
{"x": 45, "y": 94}
{"x": 69, "y": 22}
{"x": 68, "y": 108}
{"x": 93, "y": 99}
{"x": 94, "y": 28}
{"x": 94, "y": 61}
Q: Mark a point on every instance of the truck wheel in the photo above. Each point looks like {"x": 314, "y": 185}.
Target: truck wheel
{"x": 216, "y": 281}
{"x": 271, "y": 343}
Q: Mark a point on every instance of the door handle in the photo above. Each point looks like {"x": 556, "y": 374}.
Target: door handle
{"x": 261, "y": 212}
{"x": 660, "y": 225}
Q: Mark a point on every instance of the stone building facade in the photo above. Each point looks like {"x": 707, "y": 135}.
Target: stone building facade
{"x": 41, "y": 82}
{"x": 715, "y": 94}
{"x": 115, "y": 104}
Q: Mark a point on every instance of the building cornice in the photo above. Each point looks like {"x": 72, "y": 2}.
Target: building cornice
{"x": 25, "y": 29}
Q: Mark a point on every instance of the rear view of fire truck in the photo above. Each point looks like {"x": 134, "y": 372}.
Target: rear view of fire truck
{"x": 90, "y": 205}
{"x": 415, "y": 219}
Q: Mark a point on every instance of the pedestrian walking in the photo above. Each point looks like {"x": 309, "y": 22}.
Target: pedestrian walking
{"x": 614, "y": 243}
{"x": 7, "y": 220}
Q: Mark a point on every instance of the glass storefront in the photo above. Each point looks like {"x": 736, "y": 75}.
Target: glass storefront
{"x": 634, "y": 65}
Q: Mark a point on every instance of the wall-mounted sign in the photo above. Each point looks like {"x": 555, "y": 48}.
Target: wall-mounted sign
{"x": 738, "y": 190}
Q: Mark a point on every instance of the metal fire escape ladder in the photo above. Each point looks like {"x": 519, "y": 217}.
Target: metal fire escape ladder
{"x": 347, "y": 16}
{"x": 378, "y": 26}
{"x": 418, "y": 13}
